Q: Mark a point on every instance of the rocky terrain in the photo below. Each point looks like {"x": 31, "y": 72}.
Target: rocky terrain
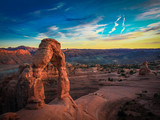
{"x": 14, "y": 57}
{"x": 103, "y": 56}
{"x": 32, "y": 50}
{"x": 44, "y": 88}
{"x": 117, "y": 92}
{"x": 110, "y": 56}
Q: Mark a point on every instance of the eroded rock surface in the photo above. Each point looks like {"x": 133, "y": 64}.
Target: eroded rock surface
{"x": 14, "y": 57}
{"x": 9, "y": 116}
{"x": 144, "y": 69}
{"x": 49, "y": 51}
{"x": 27, "y": 87}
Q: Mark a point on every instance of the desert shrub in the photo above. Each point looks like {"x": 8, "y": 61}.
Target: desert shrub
{"x": 127, "y": 103}
{"x": 156, "y": 95}
{"x": 150, "y": 114}
{"x": 93, "y": 65}
{"x": 101, "y": 79}
{"x": 110, "y": 79}
{"x": 118, "y": 72}
{"x": 121, "y": 113}
{"x": 139, "y": 95}
{"x": 131, "y": 72}
{"x": 123, "y": 74}
{"x": 122, "y": 70}
{"x": 144, "y": 91}
{"x": 120, "y": 80}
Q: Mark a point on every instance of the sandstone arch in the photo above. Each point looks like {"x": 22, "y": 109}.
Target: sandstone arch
{"x": 49, "y": 51}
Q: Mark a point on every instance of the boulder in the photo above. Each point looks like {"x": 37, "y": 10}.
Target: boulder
{"x": 9, "y": 116}
{"x": 144, "y": 69}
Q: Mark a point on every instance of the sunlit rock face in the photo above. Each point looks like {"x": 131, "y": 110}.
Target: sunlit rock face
{"x": 26, "y": 87}
{"x": 144, "y": 69}
{"x": 49, "y": 51}
{"x": 14, "y": 57}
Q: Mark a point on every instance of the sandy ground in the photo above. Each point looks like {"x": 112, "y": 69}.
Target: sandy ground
{"x": 117, "y": 94}
{"x": 106, "y": 103}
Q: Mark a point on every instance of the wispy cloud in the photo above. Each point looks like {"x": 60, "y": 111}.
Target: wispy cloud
{"x": 115, "y": 25}
{"x": 152, "y": 43}
{"x": 154, "y": 28}
{"x": 151, "y": 3}
{"x": 87, "y": 30}
{"x": 62, "y": 35}
{"x": 93, "y": 31}
{"x": 41, "y": 36}
{"x": 154, "y": 25}
{"x": 144, "y": 5}
{"x": 53, "y": 28}
{"x": 59, "y": 5}
{"x": 67, "y": 9}
{"x": 149, "y": 14}
{"x": 151, "y": 31}
{"x": 123, "y": 25}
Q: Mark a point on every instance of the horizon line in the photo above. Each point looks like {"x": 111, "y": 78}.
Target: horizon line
{"x": 79, "y": 48}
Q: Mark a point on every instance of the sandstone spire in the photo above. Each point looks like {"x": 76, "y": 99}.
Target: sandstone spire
{"x": 144, "y": 69}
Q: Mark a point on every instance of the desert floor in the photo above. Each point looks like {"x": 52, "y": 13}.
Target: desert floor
{"x": 135, "y": 97}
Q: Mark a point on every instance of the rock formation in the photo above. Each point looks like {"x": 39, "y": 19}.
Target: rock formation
{"x": 9, "y": 116}
{"x": 26, "y": 89}
{"x": 14, "y": 57}
{"x": 49, "y": 51}
{"x": 32, "y": 50}
{"x": 144, "y": 69}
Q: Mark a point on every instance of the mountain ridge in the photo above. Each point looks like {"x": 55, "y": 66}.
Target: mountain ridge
{"x": 102, "y": 56}
{"x": 15, "y": 57}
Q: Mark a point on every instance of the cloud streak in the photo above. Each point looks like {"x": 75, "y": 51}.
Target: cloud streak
{"x": 53, "y": 28}
{"x": 67, "y": 9}
{"x": 151, "y": 31}
{"x": 115, "y": 25}
{"x": 58, "y": 6}
{"x": 90, "y": 30}
{"x": 123, "y": 25}
{"x": 87, "y": 30}
{"x": 40, "y": 36}
{"x": 149, "y": 14}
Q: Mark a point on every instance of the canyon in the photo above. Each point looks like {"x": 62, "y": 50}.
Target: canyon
{"x": 48, "y": 88}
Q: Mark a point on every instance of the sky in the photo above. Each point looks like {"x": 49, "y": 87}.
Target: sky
{"x": 81, "y": 24}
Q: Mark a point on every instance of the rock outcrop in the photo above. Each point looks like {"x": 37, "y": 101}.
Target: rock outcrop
{"x": 14, "y": 57}
{"x": 32, "y": 50}
{"x": 9, "y": 116}
{"x": 144, "y": 69}
{"x": 49, "y": 51}
{"x": 27, "y": 89}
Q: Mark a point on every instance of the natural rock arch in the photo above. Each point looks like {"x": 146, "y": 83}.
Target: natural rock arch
{"x": 49, "y": 51}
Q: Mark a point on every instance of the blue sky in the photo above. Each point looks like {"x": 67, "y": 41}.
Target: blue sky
{"x": 99, "y": 24}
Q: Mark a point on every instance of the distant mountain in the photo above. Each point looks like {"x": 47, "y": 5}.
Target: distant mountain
{"x": 109, "y": 56}
{"x": 32, "y": 50}
{"x": 15, "y": 57}
{"x": 102, "y": 56}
